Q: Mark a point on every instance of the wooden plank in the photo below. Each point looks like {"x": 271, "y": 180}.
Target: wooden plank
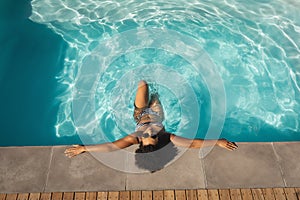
{"x": 102, "y": 195}
{"x": 136, "y": 195}
{"x": 157, "y": 195}
{"x": 235, "y": 194}
{"x": 246, "y": 194}
{"x": 91, "y": 196}
{"x": 180, "y": 195}
{"x": 290, "y": 194}
{"x": 45, "y": 196}
{"x": 11, "y": 196}
{"x": 68, "y": 195}
{"x": 224, "y": 194}
{"x": 23, "y": 196}
{"x": 79, "y": 196}
{"x": 146, "y": 195}
{"x": 279, "y": 194}
{"x": 2, "y": 196}
{"x": 34, "y": 196}
{"x": 297, "y": 190}
{"x": 268, "y": 193}
{"x": 169, "y": 195}
{"x": 191, "y": 194}
{"x": 257, "y": 194}
{"x": 202, "y": 195}
{"x": 213, "y": 194}
{"x": 124, "y": 195}
{"x": 57, "y": 195}
{"x": 113, "y": 196}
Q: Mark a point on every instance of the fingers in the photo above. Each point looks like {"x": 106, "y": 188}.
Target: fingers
{"x": 72, "y": 151}
{"x": 231, "y": 146}
{"x": 70, "y": 155}
{"x": 227, "y": 144}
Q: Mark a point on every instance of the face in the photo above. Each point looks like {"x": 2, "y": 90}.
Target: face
{"x": 149, "y": 136}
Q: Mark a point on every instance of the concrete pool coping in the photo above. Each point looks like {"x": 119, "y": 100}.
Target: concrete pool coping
{"x": 253, "y": 165}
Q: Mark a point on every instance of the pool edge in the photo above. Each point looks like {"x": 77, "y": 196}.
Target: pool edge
{"x": 253, "y": 165}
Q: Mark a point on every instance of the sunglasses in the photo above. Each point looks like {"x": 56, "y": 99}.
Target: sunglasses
{"x": 147, "y": 135}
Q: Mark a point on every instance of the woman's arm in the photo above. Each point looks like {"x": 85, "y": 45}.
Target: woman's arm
{"x": 198, "y": 143}
{"x": 106, "y": 147}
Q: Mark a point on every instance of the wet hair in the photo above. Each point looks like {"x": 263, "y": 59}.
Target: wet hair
{"x": 146, "y": 148}
{"x": 155, "y": 157}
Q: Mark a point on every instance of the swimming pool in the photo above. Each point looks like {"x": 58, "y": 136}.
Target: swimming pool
{"x": 247, "y": 78}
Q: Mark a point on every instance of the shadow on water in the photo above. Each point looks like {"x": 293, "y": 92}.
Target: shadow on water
{"x": 31, "y": 56}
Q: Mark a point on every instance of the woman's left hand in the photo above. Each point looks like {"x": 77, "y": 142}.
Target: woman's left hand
{"x": 74, "y": 150}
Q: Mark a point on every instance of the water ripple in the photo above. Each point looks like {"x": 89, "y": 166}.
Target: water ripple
{"x": 255, "y": 45}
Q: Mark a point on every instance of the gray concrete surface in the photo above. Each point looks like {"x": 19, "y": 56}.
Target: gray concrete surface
{"x": 46, "y": 169}
{"x": 288, "y": 155}
{"x": 251, "y": 166}
{"x": 81, "y": 173}
{"x": 184, "y": 172}
{"x": 24, "y": 168}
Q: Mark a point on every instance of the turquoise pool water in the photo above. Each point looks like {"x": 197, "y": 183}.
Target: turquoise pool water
{"x": 222, "y": 68}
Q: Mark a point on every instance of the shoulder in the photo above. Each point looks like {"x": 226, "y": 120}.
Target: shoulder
{"x": 133, "y": 137}
{"x": 172, "y": 136}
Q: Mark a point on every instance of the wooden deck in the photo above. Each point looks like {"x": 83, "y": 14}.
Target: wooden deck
{"x": 224, "y": 194}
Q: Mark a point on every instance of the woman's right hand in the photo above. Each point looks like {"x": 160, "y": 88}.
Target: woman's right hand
{"x": 227, "y": 144}
{"x": 74, "y": 150}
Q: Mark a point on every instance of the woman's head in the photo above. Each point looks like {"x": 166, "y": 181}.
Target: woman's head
{"x": 155, "y": 152}
{"x": 149, "y": 143}
{"x": 149, "y": 137}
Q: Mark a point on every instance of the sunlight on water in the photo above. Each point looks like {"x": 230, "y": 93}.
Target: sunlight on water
{"x": 254, "y": 46}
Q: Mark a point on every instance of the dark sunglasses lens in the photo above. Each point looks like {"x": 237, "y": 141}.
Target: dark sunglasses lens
{"x": 146, "y": 135}
{"x": 154, "y": 136}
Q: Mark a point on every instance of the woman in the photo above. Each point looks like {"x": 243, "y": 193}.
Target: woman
{"x": 150, "y": 133}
